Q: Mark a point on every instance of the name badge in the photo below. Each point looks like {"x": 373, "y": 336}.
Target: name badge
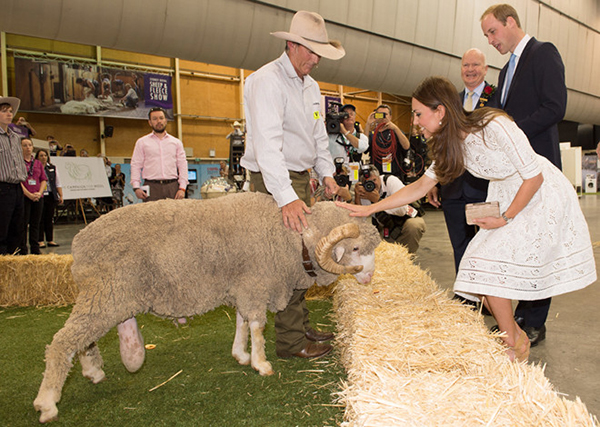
{"x": 31, "y": 181}
{"x": 386, "y": 164}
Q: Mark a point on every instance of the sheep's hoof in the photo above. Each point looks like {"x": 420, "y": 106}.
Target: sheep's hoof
{"x": 49, "y": 411}
{"x": 243, "y": 358}
{"x": 95, "y": 375}
{"x": 264, "y": 369}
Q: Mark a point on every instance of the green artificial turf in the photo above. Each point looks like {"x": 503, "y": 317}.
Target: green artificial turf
{"x": 212, "y": 389}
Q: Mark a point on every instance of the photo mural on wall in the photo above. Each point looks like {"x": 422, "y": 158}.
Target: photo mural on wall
{"x": 85, "y": 89}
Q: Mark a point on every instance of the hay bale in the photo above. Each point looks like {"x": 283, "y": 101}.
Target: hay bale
{"x": 36, "y": 280}
{"x": 414, "y": 357}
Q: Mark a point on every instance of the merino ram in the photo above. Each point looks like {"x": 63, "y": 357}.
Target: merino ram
{"x": 177, "y": 258}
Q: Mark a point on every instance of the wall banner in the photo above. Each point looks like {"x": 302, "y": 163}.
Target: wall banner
{"x": 84, "y": 89}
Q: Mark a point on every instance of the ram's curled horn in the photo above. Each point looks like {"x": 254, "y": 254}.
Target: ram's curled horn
{"x": 324, "y": 249}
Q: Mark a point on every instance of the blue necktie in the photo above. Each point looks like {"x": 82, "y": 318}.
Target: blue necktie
{"x": 509, "y": 75}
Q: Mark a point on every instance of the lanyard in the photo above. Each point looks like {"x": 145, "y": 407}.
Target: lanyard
{"x": 30, "y": 172}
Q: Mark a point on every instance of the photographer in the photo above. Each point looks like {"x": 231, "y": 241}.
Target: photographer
{"x": 388, "y": 146}
{"x": 402, "y": 225}
{"x": 347, "y": 139}
{"x": 342, "y": 179}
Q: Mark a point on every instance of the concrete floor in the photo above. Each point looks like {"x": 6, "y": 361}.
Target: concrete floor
{"x": 570, "y": 355}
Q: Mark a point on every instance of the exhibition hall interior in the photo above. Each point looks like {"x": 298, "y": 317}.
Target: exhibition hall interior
{"x": 466, "y": 131}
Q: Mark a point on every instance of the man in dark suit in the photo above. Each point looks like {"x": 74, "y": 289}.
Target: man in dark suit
{"x": 531, "y": 88}
{"x": 466, "y": 189}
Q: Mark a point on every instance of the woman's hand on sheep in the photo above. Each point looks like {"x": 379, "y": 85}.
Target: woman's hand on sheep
{"x": 293, "y": 215}
{"x": 357, "y": 210}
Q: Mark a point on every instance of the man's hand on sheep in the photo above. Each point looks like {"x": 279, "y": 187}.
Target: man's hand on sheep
{"x": 293, "y": 215}
{"x": 180, "y": 194}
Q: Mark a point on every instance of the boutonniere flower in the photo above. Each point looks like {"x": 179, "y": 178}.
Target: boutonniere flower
{"x": 487, "y": 93}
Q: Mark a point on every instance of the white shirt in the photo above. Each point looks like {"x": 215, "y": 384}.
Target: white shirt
{"x": 518, "y": 52}
{"x": 476, "y": 94}
{"x": 285, "y": 128}
{"x": 392, "y": 185}
{"x": 338, "y": 150}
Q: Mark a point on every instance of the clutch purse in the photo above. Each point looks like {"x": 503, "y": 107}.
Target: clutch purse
{"x": 481, "y": 210}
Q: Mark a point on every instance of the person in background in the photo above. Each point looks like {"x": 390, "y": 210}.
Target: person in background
{"x": 538, "y": 246}
{"x": 533, "y": 92}
{"x": 117, "y": 184}
{"x": 403, "y": 225}
{"x": 12, "y": 173}
{"x": 33, "y": 189}
{"x": 53, "y": 146}
{"x": 159, "y": 159}
{"x": 84, "y": 153}
{"x": 349, "y": 142}
{"x": 23, "y": 128}
{"x": 69, "y": 151}
{"x": 52, "y": 196}
{"x": 388, "y": 146}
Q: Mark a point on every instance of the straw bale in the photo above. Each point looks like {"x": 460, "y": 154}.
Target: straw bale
{"x": 36, "y": 280}
{"x": 414, "y": 357}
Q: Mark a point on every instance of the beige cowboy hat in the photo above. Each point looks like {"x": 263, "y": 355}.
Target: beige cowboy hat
{"x": 308, "y": 29}
{"x": 12, "y": 101}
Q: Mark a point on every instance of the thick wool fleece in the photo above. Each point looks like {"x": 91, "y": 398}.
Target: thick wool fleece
{"x": 178, "y": 258}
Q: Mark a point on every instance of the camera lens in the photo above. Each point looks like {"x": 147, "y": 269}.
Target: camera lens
{"x": 369, "y": 186}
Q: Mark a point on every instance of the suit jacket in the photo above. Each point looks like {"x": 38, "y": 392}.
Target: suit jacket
{"x": 537, "y": 97}
{"x": 467, "y": 186}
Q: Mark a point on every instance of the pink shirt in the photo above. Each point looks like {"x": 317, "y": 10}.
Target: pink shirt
{"x": 35, "y": 175}
{"x": 156, "y": 158}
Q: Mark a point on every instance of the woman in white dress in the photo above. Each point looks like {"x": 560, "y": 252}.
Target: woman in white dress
{"x": 540, "y": 245}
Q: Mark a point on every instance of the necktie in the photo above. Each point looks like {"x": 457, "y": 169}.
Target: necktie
{"x": 509, "y": 75}
{"x": 469, "y": 101}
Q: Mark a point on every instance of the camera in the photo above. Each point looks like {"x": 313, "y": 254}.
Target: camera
{"x": 333, "y": 121}
{"x": 341, "y": 177}
{"x": 380, "y": 115}
{"x": 365, "y": 174}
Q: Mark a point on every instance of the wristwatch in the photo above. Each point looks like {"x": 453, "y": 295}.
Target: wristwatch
{"x": 505, "y": 218}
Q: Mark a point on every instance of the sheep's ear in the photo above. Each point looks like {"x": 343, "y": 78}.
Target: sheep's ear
{"x": 338, "y": 253}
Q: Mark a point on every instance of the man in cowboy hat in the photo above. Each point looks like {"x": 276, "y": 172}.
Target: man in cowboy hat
{"x": 286, "y": 136}
{"x": 12, "y": 173}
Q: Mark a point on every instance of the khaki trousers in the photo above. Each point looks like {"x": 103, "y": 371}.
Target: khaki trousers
{"x": 291, "y": 323}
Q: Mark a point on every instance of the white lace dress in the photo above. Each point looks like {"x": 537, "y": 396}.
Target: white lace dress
{"x": 546, "y": 249}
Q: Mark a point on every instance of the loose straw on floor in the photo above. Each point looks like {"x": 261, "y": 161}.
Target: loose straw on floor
{"x": 414, "y": 357}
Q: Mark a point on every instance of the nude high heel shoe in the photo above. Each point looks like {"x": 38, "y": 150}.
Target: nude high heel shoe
{"x": 521, "y": 347}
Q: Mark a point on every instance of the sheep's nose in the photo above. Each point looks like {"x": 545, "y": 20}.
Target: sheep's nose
{"x": 367, "y": 278}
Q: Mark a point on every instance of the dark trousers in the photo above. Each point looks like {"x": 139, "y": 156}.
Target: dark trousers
{"x": 31, "y": 220}
{"x": 160, "y": 191}
{"x": 47, "y": 222}
{"x": 292, "y": 322}
{"x": 459, "y": 231}
{"x": 11, "y": 217}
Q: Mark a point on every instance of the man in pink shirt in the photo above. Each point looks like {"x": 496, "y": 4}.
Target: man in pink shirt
{"x": 159, "y": 159}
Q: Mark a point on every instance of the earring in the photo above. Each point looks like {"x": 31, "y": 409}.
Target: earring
{"x": 440, "y": 123}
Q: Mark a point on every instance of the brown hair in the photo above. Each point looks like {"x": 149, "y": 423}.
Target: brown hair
{"x": 384, "y": 106}
{"x": 446, "y": 146}
{"x": 501, "y": 12}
